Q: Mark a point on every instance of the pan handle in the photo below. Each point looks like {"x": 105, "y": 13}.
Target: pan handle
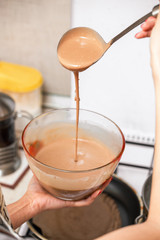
{"x": 141, "y": 218}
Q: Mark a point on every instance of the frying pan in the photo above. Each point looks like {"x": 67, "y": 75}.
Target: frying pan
{"x": 128, "y": 202}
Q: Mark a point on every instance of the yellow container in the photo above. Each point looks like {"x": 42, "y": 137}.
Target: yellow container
{"x": 23, "y": 84}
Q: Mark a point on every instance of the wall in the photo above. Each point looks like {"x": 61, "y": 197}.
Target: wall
{"x": 120, "y": 85}
{"x": 30, "y": 31}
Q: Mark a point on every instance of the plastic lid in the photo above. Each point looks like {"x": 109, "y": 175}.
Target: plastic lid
{"x": 18, "y": 78}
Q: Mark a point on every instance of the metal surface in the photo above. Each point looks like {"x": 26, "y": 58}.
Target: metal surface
{"x": 155, "y": 11}
{"x": 9, "y": 159}
{"x": 7, "y": 106}
{"x": 146, "y": 192}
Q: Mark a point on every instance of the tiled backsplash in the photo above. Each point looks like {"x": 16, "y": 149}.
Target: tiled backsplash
{"x": 30, "y": 31}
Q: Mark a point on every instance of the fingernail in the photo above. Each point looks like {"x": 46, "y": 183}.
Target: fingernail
{"x": 109, "y": 180}
{"x": 99, "y": 193}
{"x": 137, "y": 35}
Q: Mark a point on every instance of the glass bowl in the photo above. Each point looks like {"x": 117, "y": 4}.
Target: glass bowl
{"x": 71, "y": 184}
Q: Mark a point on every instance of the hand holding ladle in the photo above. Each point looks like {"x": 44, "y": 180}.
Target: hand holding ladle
{"x": 81, "y": 47}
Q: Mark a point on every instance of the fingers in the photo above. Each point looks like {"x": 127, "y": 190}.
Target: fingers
{"x": 143, "y": 34}
{"x": 105, "y": 184}
{"x": 147, "y": 27}
{"x": 148, "y": 24}
{"x": 90, "y": 199}
{"x": 84, "y": 202}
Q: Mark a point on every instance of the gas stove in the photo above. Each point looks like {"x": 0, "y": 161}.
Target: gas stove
{"x": 136, "y": 164}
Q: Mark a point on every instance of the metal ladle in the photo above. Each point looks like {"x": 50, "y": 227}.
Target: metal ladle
{"x": 81, "y": 47}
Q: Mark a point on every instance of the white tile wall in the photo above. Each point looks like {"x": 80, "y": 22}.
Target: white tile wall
{"x": 120, "y": 85}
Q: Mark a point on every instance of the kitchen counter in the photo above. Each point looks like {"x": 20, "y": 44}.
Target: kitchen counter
{"x": 136, "y": 165}
{"x": 12, "y": 193}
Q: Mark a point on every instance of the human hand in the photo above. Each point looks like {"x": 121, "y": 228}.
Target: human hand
{"x": 146, "y": 27}
{"x": 42, "y": 200}
{"x": 36, "y": 200}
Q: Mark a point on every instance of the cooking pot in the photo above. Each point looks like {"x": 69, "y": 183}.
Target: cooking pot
{"x": 146, "y": 192}
{"x": 9, "y": 159}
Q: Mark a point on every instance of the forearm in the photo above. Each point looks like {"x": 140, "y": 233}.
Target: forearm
{"x": 143, "y": 231}
{"x": 155, "y": 65}
{"x": 22, "y": 210}
{"x": 154, "y": 211}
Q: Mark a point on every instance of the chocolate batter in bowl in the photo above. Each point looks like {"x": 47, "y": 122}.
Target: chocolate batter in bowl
{"x": 49, "y": 142}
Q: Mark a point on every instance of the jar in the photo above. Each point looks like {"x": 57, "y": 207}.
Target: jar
{"x": 23, "y": 84}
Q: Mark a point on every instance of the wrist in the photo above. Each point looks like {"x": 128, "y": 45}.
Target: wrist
{"x": 22, "y": 210}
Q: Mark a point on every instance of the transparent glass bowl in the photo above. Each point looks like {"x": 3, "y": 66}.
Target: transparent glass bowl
{"x": 68, "y": 184}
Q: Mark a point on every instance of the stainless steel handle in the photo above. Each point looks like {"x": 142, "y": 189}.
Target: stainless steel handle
{"x": 154, "y": 13}
{"x": 25, "y": 114}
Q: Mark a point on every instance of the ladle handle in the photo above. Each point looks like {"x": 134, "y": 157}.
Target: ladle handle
{"x": 153, "y": 13}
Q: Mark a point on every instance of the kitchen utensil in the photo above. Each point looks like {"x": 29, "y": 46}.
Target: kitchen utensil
{"x": 23, "y": 84}
{"x": 64, "y": 183}
{"x": 9, "y": 159}
{"x": 81, "y": 47}
{"x": 146, "y": 192}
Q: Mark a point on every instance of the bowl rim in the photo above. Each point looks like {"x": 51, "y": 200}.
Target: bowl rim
{"x": 118, "y": 156}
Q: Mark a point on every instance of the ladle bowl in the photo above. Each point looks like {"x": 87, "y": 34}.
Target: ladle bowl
{"x": 81, "y": 47}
